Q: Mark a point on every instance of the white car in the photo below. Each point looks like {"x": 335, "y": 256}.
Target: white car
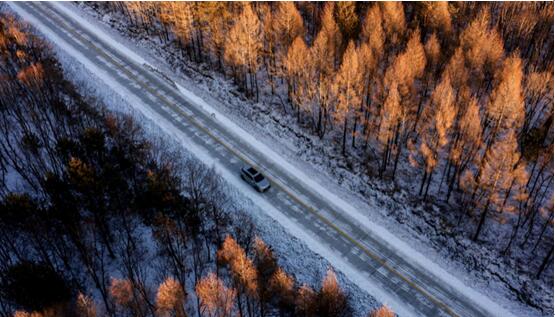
{"x": 250, "y": 175}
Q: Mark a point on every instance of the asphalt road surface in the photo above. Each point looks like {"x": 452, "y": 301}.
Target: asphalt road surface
{"x": 411, "y": 285}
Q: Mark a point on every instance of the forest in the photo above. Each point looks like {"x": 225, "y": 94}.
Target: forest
{"x": 98, "y": 220}
{"x": 459, "y": 94}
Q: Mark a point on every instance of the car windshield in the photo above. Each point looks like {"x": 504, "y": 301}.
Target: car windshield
{"x": 258, "y": 178}
{"x": 252, "y": 171}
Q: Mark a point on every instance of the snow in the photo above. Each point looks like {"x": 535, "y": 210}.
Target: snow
{"x": 407, "y": 250}
{"x": 103, "y": 36}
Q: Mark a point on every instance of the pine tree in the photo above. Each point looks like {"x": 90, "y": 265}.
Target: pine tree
{"x": 85, "y": 306}
{"x": 433, "y": 53}
{"x": 347, "y": 19}
{"x": 306, "y": 302}
{"x": 287, "y": 24}
{"x": 506, "y": 106}
{"x": 538, "y": 89}
{"x": 372, "y": 31}
{"x": 322, "y": 67}
{"x": 215, "y": 298}
{"x": 296, "y": 73}
{"x": 348, "y": 88}
{"x": 467, "y": 142}
{"x": 182, "y": 20}
{"x": 383, "y": 311}
{"x": 266, "y": 266}
{"x": 242, "y": 270}
{"x": 390, "y": 118}
{"x": 457, "y": 70}
{"x": 434, "y": 133}
{"x": 281, "y": 28}
{"x": 126, "y": 298}
{"x": 482, "y": 47}
{"x": 438, "y": 17}
{"x": 407, "y": 67}
{"x": 332, "y": 300}
{"x": 283, "y": 286}
{"x": 496, "y": 177}
{"x": 242, "y": 49}
{"x": 334, "y": 39}
{"x": 219, "y": 19}
{"x": 393, "y": 20}
{"x": 369, "y": 90}
{"x": 170, "y": 298}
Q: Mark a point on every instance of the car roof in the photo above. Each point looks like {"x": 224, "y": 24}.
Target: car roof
{"x": 251, "y": 170}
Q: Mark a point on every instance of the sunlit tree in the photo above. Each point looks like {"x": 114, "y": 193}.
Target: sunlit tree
{"x": 216, "y": 299}
{"x": 437, "y": 121}
{"x": 332, "y": 300}
{"x": 394, "y": 20}
{"x": 347, "y": 19}
{"x": 242, "y": 49}
{"x": 306, "y": 301}
{"x": 348, "y": 85}
{"x": 383, "y": 311}
{"x": 170, "y": 298}
{"x": 283, "y": 286}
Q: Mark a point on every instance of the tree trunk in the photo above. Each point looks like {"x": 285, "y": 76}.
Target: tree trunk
{"x": 514, "y": 233}
{"x": 428, "y": 185}
{"x": 397, "y": 155}
{"x": 398, "y": 144}
{"x": 507, "y": 194}
{"x": 531, "y": 225}
{"x": 452, "y": 182}
{"x": 444, "y": 175}
{"x": 481, "y": 223}
{"x": 256, "y": 86}
{"x": 545, "y": 262}
{"x": 547, "y": 222}
{"x": 319, "y": 124}
{"x": 354, "y": 133}
{"x": 419, "y": 109}
{"x": 324, "y": 128}
{"x": 366, "y": 139}
{"x": 239, "y": 305}
{"x": 384, "y": 158}
{"x": 344, "y": 135}
{"x": 423, "y": 182}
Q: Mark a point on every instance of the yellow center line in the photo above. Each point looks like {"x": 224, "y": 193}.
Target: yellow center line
{"x": 272, "y": 178}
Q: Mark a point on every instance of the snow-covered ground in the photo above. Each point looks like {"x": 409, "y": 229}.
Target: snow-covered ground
{"x": 397, "y": 214}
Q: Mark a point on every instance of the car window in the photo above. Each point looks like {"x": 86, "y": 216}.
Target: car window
{"x": 252, "y": 171}
{"x": 258, "y": 178}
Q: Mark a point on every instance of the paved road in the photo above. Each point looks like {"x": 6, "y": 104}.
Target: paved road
{"x": 411, "y": 285}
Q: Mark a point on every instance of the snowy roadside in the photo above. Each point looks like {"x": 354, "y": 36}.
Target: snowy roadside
{"x": 394, "y": 211}
{"x": 294, "y": 253}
